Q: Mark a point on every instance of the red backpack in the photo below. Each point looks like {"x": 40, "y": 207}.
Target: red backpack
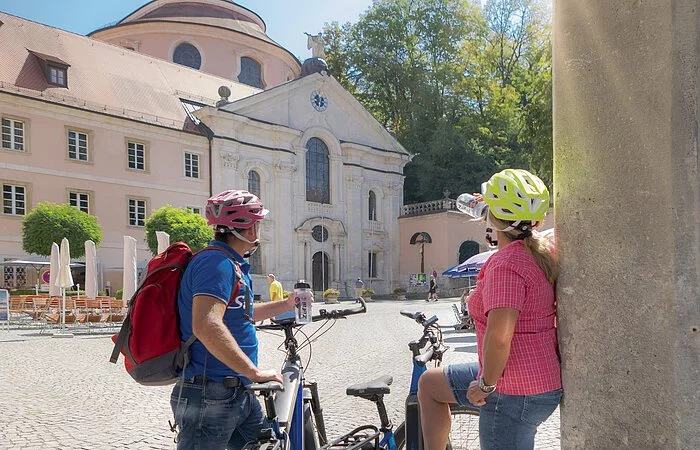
{"x": 150, "y": 337}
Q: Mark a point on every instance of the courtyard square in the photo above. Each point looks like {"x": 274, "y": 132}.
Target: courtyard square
{"x": 64, "y": 393}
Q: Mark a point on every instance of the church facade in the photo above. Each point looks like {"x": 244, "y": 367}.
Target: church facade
{"x": 182, "y": 99}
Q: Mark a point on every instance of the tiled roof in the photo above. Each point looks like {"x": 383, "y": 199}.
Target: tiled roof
{"x": 103, "y": 77}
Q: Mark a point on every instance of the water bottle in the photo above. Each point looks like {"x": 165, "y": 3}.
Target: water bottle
{"x": 302, "y": 302}
{"x": 469, "y": 205}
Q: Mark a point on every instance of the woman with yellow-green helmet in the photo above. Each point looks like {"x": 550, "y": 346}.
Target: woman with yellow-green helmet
{"x": 517, "y": 381}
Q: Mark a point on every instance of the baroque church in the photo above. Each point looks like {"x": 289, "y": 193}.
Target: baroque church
{"x": 182, "y": 99}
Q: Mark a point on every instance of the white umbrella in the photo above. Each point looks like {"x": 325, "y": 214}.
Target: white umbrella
{"x": 65, "y": 278}
{"x": 163, "y": 240}
{"x": 54, "y": 290}
{"x": 90, "y": 269}
{"x": 129, "y": 277}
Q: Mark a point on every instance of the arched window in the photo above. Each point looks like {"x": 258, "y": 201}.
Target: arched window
{"x": 467, "y": 250}
{"x": 317, "y": 172}
{"x": 254, "y": 183}
{"x": 372, "y": 206}
{"x": 251, "y": 72}
{"x": 187, "y": 55}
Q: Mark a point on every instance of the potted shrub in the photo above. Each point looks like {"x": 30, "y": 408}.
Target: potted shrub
{"x": 399, "y": 293}
{"x": 367, "y": 294}
{"x": 331, "y": 295}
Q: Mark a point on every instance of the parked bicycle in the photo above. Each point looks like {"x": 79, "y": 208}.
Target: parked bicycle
{"x": 294, "y": 408}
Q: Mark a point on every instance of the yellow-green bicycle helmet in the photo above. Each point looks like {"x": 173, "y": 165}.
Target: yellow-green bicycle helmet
{"x": 516, "y": 195}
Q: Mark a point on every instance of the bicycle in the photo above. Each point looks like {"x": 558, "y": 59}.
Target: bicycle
{"x": 293, "y": 408}
{"x": 295, "y": 413}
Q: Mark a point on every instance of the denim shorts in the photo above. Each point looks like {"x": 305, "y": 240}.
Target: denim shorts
{"x": 213, "y": 416}
{"x": 505, "y": 421}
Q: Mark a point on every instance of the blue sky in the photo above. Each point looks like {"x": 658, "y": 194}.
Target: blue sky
{"x": 286, "y": 20}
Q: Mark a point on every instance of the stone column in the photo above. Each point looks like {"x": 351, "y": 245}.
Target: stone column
{"x": 627, "y": 220}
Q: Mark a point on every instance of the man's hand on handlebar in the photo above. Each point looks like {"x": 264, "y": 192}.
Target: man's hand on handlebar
{"x": 264, "y": 375}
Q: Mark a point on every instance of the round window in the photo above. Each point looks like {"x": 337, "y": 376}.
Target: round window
{"x": 187, "y": 55}
{"x": 319, "y": 233}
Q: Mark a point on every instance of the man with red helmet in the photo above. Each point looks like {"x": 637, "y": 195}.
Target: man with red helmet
{"x": 212, "y": 407}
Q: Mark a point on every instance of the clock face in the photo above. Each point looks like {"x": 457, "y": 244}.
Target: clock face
{"x": 319, "y": 100}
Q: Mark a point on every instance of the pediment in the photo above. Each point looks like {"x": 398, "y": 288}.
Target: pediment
{"x": 317, "y": 101}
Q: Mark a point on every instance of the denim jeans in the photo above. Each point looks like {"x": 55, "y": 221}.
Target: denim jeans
{"x": 213, "y": 416}
{"x": 505, "y": 421}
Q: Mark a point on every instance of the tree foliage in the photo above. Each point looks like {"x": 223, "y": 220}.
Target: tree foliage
{"x": 51, "y": 222}
{"x": 466, "y": 88}
{"x": 182, "y": 225}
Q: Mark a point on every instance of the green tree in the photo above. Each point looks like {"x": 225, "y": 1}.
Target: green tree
{"x": 182, "y": 225}
{"x": 51, "y": 222}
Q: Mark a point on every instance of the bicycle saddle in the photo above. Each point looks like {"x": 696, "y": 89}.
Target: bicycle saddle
{"x": 374, "y": 387}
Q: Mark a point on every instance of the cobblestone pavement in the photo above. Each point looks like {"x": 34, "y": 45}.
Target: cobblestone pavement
{"x": 64, "y": 393}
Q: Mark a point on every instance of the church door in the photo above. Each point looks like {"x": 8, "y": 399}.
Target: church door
{"x": 319, "y": 272}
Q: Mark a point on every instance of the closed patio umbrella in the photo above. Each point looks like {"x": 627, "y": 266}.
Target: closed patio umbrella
{"x": 90, "y": 269}
{"x": 163, "y": 240}
{"x": 65, "y": 278}
{"x": 129, "y": 277}
{"x": 54, "y": 290}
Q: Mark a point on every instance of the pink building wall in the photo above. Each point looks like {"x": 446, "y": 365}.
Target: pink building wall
{"x": 220, "y": 52}
{"x": 49, "y": 175}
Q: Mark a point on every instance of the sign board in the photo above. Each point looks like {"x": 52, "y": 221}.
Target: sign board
{"x": 418, "y": 279}
{"x": 46, "y": 276}
{"x": 5, "y": 307}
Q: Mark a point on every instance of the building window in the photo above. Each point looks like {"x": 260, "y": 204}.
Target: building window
{"x": 254, "y": 183}
{"x": 372, "y": 206}
{"x": 80, "y": 200}
{"x": 187, "y": 55}
{"x": 57, "y": 76}
{"x": 191, "y": 165}
{"x": 319, "y": 233}
{"x": 251, "y": 72}
{"x": 317, "y": 172}
{"x": 77, "y": 145}
{"x": 136, "y": 152}
{"x": 372, "y": 261}
{"x": 12, "y": 134}
{"x": 14, "y": 199}
{"x": 194, "y": 210}
{"x": 137, "y": 212}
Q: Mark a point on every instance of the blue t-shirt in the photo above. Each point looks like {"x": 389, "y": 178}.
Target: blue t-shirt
{"x": 213, "y": 273}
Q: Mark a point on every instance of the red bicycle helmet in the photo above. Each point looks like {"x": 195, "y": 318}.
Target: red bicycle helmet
{"x": 234, "y": 209}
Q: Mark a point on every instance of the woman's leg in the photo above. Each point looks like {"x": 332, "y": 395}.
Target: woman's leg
{"x": 434, "y": 397}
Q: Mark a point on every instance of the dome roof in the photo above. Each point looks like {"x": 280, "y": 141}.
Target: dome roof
{"x": 222, "y": 14}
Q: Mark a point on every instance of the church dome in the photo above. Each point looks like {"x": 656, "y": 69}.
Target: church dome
{"x": 216, "y": 36}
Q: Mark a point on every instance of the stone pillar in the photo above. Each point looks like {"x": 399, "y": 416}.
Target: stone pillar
{"x": 628, "y": 222}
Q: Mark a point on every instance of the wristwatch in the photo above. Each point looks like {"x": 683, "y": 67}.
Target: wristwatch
{"x": 485, "y": 388}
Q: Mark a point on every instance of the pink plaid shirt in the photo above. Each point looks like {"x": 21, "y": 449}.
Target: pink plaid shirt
{"x": 512, "y": 279}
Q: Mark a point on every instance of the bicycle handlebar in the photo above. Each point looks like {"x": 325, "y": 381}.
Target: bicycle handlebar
{"x": 423, "y": 358}
{"x": 322, "y": 315}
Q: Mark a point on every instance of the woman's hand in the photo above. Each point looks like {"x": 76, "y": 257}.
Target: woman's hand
{"x": 475, "y": 395}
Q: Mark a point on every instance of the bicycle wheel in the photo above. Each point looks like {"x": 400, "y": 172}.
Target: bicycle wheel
{"x": 464, "y": 434}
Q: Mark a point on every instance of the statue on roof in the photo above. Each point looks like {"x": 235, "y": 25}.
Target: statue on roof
{"x": 316, "y": 44}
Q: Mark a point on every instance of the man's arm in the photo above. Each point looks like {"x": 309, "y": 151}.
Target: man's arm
{"x": 208, "y": 326}
{"x": 264, "y": 311}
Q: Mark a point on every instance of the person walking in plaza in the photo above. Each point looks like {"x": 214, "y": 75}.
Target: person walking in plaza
{"x": 432, "y": 290}
{"x": 359, "y": 287}
{"x": 276, "y": 291}
{"x": 212, "y": 408}
{"x": 517, "y": 381}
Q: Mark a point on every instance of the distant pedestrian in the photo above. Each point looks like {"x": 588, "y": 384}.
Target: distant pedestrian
{"x": 359, "y": 287}
{"x": 276, "y": 292}
{"x": 432, "y": 291}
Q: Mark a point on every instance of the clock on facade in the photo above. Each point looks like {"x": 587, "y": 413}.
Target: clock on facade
{"x": 319, "y": 100}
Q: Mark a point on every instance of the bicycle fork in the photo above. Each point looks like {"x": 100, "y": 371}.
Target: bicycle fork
{"x": 317, "y": 411}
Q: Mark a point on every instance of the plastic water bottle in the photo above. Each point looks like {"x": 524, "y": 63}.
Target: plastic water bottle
{"x": 469, "y": 205}
{"x": 302, "y": 302}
